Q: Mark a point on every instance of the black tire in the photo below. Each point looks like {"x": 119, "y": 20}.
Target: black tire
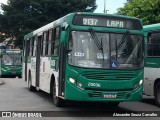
{"x": 113, "y": 104}
{"x": 31, "y": 88}
{"x": 19, "y": 76}
{"x": 58, "y": 102}
{"x": 157, "y": 94}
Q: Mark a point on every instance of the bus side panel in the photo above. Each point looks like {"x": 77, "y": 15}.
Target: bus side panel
{"x": 45, "y": 74}
{"x": 33, "y": 71}
{"x": 54, "y": 71}
{"x": 150, "y": 75}
{"x": 28, "y": 69}
{"x": 23, "y": 71}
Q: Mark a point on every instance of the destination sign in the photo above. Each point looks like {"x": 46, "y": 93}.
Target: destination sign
{"x": 107, "y": 21}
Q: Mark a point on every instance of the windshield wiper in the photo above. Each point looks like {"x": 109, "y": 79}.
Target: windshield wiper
{"x": 102, "y": 49}
{"x": 125, "y": 35}
{"x": 95, "y": 38}
{"x": 121, "y": 43}
{"x": 97, "y": 42}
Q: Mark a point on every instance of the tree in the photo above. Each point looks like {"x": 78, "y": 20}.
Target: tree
{"x": 20, "y": 17}
{"x": 147, "y": 10}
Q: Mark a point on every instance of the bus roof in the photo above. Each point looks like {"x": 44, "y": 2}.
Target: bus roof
{"x": 64, "y": 20}
{"x": 102, "y": 14}
{"x": 152, "y": 27}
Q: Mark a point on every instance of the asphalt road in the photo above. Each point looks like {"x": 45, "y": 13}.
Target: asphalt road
{"x": 15, "y": 96}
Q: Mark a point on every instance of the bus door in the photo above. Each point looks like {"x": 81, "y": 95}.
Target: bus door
{"x": 62, "y": 63}
{"x": 38, "y": 52}
{"x": 26, "y": 54}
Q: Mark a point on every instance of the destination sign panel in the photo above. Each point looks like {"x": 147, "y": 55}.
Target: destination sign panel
{"x": 107, "y": 21}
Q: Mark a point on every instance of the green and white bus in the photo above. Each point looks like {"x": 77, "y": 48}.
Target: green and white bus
{"x": 86, "y": 57}
{"x": 152, "y": 61}
{"x": 11, "y": 63}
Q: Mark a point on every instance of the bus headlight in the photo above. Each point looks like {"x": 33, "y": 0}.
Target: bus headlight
{"x": 77, "y": 83}
{"x": 140, "y": 82}
{"x": 72, "y": 80}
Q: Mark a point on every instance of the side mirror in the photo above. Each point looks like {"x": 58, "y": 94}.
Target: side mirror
{"x": 68, "y": 50}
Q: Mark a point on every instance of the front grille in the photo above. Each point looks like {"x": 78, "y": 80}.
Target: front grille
{"x": 108, "y": 75}
{"x": 122, "y": 95}
{"x": 97, "y": 94}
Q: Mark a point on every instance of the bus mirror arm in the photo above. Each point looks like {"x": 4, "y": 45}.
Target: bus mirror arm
{"x": 68, "y": 50}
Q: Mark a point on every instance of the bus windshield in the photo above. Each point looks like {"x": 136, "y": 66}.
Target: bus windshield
{"x": 11, "y": 59}
{"x": 119, "y": 51}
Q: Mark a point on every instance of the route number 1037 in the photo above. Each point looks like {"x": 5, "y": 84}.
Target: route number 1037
{"x": 89, "y": 21}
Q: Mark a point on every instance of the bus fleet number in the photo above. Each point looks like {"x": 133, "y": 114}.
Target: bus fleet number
{"x": 94, "y": 84}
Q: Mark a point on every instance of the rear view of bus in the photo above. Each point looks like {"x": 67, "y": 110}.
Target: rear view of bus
{"x": 89, "y": 57}
{"x": 11, "y": 63}
{"x": 152, "y": 62}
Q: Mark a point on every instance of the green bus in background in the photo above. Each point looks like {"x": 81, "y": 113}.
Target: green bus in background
{"x": 10, "y": 63}
{"x": 86, "y": 57}
{"x": 152, "y": 61}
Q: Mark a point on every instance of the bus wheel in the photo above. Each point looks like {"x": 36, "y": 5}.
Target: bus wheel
{"x": 19, "y": 76}
{"x": 58, "y": 102}
{"x": 31, "y": 88}
{"x": 113, "y": 104}
{"x": 157, "y": 94}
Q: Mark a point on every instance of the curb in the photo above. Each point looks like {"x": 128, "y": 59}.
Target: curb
{"x": 1, "y": 83}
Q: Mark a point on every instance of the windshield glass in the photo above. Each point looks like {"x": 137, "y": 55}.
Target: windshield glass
{"x": 11, "y": 59}
{"x": 111, "y": 52}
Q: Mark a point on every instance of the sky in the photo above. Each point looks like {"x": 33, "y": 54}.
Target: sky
{"x": 3, "y": 1}
{"x": 111, "y": 5}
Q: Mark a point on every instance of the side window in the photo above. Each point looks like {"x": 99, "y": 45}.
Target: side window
{"x": 47, "y": 42}
{"x": 34, "y": 46}
{"x": 53, "y": 41}
{"x": 154, "y": 44}
{"x": 24, "y": 47}
{"x": 27, "y": 47}
{"x": 56, "y": 45}
{"x": 31, "y": 46}
{"x": 44, "y": 43}
{"x": 50, "y": 41}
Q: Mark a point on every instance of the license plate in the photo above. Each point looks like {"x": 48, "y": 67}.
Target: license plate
{"x": 109, "y": 95}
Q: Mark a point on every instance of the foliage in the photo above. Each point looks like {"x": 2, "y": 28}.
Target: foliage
{"x": 147, "y": 10}
{"x": 3, "y": 37}
{"x": 23, "y": 16}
